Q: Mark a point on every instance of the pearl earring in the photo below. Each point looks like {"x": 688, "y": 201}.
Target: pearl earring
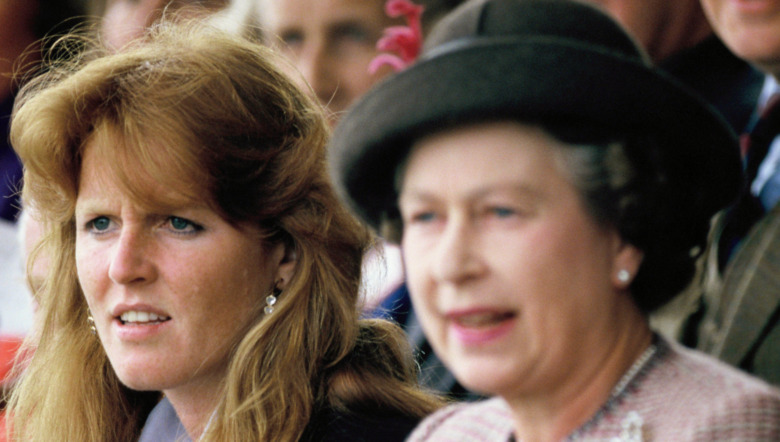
{"x": 623, "y": 275}
{"x": 91, "y": 322}
{"x": 270, "y": 300}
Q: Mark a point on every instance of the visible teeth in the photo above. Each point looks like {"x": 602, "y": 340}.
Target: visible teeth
{"x": 136, "y": 316}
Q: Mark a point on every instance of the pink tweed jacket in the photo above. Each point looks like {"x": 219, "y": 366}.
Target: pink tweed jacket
{"x": 676, "y": 395}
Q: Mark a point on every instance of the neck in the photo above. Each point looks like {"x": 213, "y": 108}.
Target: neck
{"x": 194, "y": 408}
{"x": 553, "y": 415}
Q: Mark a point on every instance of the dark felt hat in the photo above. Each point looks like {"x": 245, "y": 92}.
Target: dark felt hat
{"x": 532, "y": 60}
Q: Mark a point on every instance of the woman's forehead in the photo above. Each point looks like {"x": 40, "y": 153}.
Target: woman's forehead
{"x": 151, "y": 171}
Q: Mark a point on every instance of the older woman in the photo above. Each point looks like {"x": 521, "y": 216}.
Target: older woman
{"x": 549, "y": 189}
{"x": 201, "y": 264}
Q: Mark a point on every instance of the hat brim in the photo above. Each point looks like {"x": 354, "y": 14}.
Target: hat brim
{"x": 531, "y": 79}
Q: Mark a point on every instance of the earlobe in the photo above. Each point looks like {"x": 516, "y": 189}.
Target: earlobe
{"x": 626, "y": 264}
{"x": 286, "y": 267}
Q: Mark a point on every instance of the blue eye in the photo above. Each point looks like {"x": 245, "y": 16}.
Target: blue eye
{"x": 291, "y": 39}
{"x": 354, "y": 33}
{"x": 183, "y": 225}
{"x": 179, "y": 223}
{"x": 503, "y": 212}
{"x": 424, "y": 217}
{"x": 349, "y": 36}
{"x": 99, "y": 224}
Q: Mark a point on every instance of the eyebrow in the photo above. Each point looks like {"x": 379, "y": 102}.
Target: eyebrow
{"x": 92, "y": 204}
{"x": 348, "y": 24}
{"x": 518, "y": 189}
{"x": 157, "y": 207}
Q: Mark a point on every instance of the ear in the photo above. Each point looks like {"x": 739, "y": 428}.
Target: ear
{"x": 286, "y": 259}
{"x": 627, "y": 260}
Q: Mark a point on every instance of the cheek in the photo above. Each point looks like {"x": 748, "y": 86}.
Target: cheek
{"x": 383, "y": 72}
{"x": 710, "y": 8}
{"x": 414, "y": 261}
{"x": 243, "y": 276}
{"x": 230, "y": 318}
{"x": 355, "y": 81}
{"x": 354, "y": 67}
{"x": 88, "y": 267}
{"x": 418, "y": 279}
{"x": 424, "y": 303}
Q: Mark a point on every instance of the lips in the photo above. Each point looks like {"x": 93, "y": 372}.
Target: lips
{"x": 758, "y": 8}
{"x": 481, "y": 327}
{"x": 139, "y": 314}
{"x": 482, "y": 319}
{"x": 139, "y": 323}
{"x": 142, "y": 317}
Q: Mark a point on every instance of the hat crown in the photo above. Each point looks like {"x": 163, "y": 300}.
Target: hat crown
{"x": 556, "y": 61}
{"x": 485, "y": 20}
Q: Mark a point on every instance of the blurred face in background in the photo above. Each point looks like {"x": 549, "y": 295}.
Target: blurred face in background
{"x": 751, "y": 29}
{"x": 662, "y": 27}
{"x": 125, "y": 20}
{"x": 512, "y": 279}
{"x": 330, "y": 42}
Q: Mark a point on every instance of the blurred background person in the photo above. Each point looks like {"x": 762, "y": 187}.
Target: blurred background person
{"x": 741, "y": 308}
{"x": 205, "y": 277}
{"x": 332, "y": 42}
{"x": 550, "y": 188}
{"x": 122, "y": 21}
{"x": 27, "y": 29}
{"x": 679, "y": 39}
{"x": 23, "y": 23}
{"x": 662, "y": 28}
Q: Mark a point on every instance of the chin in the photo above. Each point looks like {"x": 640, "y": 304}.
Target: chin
{"x": 768, "y": 65}
{"x": 140, "y": 378}
{"x": 484, "y": 378}
{"x": 139, "y": 383}
{"x": 760, "y": 47}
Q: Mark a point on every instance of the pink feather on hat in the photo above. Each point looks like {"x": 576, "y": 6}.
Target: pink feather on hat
{"x": 405, "y": 41}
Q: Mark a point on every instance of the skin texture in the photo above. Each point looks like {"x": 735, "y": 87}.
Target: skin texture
{"x": 662, "y": 27}
{"x": 514, "y": 283}
{"x": 183, "y": 262}
{"x": 330, "y": 42}
{"x": 750, "y": 28}
{"x": 125, "y": 20}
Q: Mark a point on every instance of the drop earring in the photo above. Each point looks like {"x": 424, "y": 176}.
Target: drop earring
{"x": 91, "y": 322}
{"x": 623, "y": 275}
{"x": 270, "y": 300}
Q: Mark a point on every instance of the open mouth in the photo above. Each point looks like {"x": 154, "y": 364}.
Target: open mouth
{"x": 142, "y": 318}
{"x": 483, "y": 320}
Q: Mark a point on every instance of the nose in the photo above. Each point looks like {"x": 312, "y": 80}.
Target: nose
{"x": 317, "y": 66}
{"x": 131, "y": 261}
{"x": 456, "y": 255}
